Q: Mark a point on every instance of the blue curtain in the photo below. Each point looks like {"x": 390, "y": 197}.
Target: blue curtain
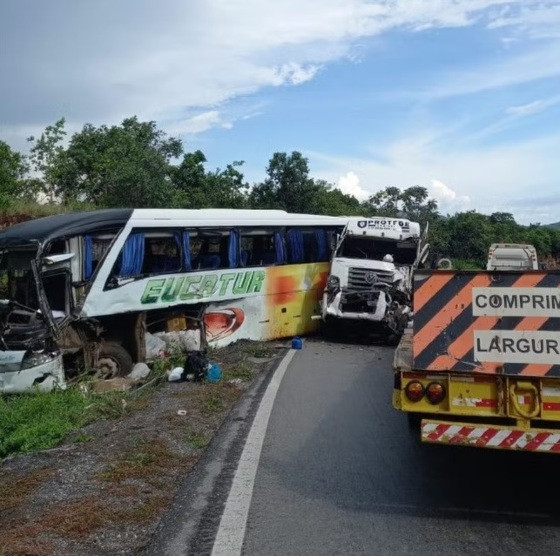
{"x": 295, "y": 241}
{"x": 322, "y": 245}
{"x": 279, "y": 248}
{"x": 187, "y": 250}
{"x": 132, "y": 256}
{"x": 233, "y": 249}
{"x": 88, "y": 257}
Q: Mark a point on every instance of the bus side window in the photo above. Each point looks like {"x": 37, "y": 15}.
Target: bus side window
{"x": 95, "y": 248}
{"x": 261, "y": 247}
{"x": 214, "y": 251}
{"x": 308, "y": 245}
{"x": 162, "y": 254}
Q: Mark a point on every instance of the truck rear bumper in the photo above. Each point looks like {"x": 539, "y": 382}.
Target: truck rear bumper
{"x": 490, "y": 436}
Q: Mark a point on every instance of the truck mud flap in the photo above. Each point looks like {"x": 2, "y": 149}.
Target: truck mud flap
{"x": 490, "y": 436}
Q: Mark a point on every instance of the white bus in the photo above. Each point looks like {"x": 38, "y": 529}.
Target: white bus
{"x": 83, "y": 288}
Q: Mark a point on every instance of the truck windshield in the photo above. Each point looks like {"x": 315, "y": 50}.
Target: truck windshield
{"x": 403, "y": 252}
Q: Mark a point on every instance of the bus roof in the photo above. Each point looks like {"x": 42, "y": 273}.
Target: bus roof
{"x": 232, "y": 217}
{"x": 47, "y": 228}
{"x": 44, "y": 229}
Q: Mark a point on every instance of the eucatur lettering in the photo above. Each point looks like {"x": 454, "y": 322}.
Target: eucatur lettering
{"x": 200, "y": 286}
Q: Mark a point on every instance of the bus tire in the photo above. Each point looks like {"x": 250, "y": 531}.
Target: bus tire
{"x": 113, "y": 361}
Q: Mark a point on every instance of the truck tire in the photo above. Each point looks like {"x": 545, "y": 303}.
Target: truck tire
{"x": 113, "y": 361}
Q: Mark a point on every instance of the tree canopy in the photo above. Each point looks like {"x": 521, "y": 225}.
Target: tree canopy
{"x": 135, "y": 164}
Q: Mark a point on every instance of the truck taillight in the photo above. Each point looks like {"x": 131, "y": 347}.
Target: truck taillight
{"x": 435, "y": 392}
{"x": 414, "y": 391}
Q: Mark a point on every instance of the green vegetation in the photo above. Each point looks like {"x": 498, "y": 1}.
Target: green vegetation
{"x": 135, "y": 164}
{"x": 39, "y": 421}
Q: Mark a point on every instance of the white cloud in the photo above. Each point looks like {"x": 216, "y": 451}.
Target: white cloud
{"x": 350, "y": 185}
{"x": 448, "y": 199}
{"x": 532, "y": 107}
{"x": 102, "y": 61}
{"x": 493, "y": 178}
{"x": 197, "y": 124}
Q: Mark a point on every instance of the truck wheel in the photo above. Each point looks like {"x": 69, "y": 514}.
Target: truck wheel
{"x": 113, "y": 361}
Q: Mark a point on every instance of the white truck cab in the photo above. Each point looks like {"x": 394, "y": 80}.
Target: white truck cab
{"x": 370, "y": 278}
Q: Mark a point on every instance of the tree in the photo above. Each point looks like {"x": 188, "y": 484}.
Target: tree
{"x": 195, "y": 188}
{"x": 414, "y": 202}
{"x": 12, "y": 170}
{"x": 471, "y": 235}
{"x": 46, "y": 158}
{"x": 331, "y": 201}
{"x": 288, "y": 185}
{"x": 125, "y": 165}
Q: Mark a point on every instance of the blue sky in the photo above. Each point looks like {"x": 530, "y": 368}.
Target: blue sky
{"x": 460, "y": 96}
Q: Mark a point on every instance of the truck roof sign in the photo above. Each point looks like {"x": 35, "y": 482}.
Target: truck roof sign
{"x": 391, "y": 226}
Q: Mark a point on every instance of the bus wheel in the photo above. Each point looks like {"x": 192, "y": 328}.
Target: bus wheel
{"x": 113, "y": 361}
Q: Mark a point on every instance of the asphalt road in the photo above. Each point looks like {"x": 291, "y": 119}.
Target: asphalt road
{"x": 341, "y": 473}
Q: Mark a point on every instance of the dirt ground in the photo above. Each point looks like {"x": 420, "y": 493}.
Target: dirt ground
{"x": 105, "y": 489}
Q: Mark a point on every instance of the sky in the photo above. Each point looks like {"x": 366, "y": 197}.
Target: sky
{"x": 459, "y": 96}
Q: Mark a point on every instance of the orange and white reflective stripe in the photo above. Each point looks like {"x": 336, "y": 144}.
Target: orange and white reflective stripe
{"x": 490, "y": 437}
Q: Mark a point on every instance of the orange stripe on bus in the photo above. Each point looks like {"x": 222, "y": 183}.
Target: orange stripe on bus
{"x": 432, "y": 329}
{"x": 427, "y": 290}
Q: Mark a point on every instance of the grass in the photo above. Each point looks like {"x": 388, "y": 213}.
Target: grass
{"x": 39, "y": 421}
{"x": 197, "y": 440}
{"x": 13, "y": 492}
{"x": 42, "y": 420}
{"x": 141, "y": 463}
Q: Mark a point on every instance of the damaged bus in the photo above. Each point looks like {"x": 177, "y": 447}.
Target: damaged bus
{"x": 81, "y": 290}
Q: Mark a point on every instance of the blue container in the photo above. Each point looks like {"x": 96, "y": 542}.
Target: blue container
{"x": 297, "y": 343}
{"x": 214, "y": 373}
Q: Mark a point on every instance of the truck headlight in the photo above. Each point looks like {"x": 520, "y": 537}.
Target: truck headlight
{"x": 333, "y": 282}
{"x": 36, "y": 358}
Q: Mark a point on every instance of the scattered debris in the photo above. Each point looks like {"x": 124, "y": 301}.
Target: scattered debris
{"x": 155, "y": 347}
{"x": 139, "y": 372}
{"x": 181, "y": 412}
{"x": 175, "y": 374}
{"x": 180, "y": 340}
{"x": 117, "y": 384}
{"x": 235, "y": 382}
{"x": 214, "y": 373}
{"x": 196, "y": 365}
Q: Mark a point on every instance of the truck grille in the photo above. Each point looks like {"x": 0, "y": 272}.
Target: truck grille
{"x": 357, "y": 277}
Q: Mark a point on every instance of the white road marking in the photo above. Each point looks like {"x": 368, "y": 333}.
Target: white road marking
{"x": 231, "y": 532}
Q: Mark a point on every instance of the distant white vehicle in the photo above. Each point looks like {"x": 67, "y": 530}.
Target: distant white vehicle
{"x": 370, "y": 279}
{"x": 512, "y": 256}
